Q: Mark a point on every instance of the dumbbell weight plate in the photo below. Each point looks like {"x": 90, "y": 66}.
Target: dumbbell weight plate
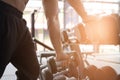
{"x": 110, "y": 72}
{"x": 46, "y": 74}
{"x": 51, "y": 65}
{"x": 100, "y": 75}
{"x": 118, "y": 77}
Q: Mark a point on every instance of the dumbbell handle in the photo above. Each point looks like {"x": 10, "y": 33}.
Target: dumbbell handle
{"x": 61, "y": 73}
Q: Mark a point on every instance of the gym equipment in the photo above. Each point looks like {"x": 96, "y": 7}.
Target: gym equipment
{"x": 52, "y": 65}
{"x": 109, "y": 72}
{"x": 72, "y": 70}
{"x": 46, "y": 74}
{"x": 33, "y": 32}
{"x": 105, "y": 73}
{"x": 90, "y": 72}
{"x": 71, "y": 39}
{"x": 75, "y": 37}
{"x": 76, "y": 67}
{"x": 118, "y": 77}
{"x": 56, "y": 69}
{"x": 99, "y": 75}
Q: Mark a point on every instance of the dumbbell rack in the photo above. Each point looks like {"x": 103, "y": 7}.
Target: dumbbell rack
{"x": 91, "y": 72}
{"x": 73, "y": 44}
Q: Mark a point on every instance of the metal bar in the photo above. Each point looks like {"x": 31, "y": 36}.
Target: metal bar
{"x": 44, "y": 45}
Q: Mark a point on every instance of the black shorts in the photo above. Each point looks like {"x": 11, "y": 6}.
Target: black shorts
{"x": 16, "y": 44}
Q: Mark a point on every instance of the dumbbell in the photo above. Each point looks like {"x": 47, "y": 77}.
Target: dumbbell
{"x": 69, "y": 71}
{"x": 46, "y": 74}
{"x": 52, "y": 65}
{"x": 105, "y": 73}
{"x": 110, "y": 72}
{"x": 99, "y": 75}
{"x": 118, "y": 77}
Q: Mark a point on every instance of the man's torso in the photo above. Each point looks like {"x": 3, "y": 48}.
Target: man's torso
{"x": 19, "y": 4}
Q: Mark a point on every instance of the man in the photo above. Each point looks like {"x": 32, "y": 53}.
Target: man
{"x": 16, "y": 44}
{"x": 51, "y": 12}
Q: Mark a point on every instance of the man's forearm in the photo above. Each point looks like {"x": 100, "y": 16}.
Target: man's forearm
{"x": 54, "y": 31}
{"x": 78, "y": 6}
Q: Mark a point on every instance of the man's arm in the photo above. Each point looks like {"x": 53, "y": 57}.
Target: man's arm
{"x": 51, "y": 13}
{"x": 79, "y": 8}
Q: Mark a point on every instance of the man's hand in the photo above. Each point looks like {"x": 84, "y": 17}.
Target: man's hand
{"x": 90, "y": 19}
{"x": 61, "y": 57}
